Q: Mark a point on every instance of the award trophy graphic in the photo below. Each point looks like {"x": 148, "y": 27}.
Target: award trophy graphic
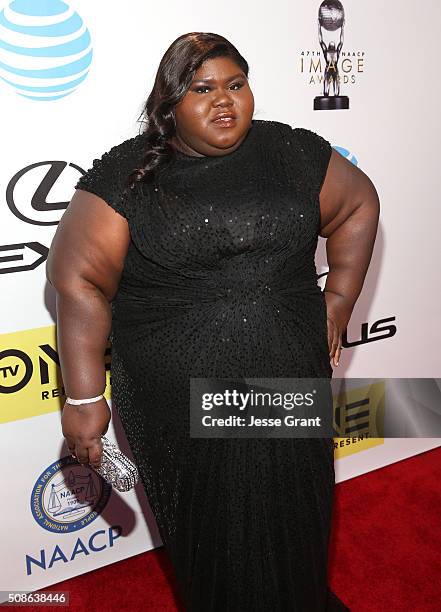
{"x": 331, "y": 17}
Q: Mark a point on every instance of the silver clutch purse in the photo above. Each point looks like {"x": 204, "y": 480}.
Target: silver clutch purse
{"x": 116, "y": 468}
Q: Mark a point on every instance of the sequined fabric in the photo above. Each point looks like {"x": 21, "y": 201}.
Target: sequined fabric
{"x": 220, "y": 281}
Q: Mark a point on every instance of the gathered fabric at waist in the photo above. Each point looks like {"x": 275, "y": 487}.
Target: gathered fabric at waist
{"x": 262, "y": 299}
{"x": 192, "y": 291}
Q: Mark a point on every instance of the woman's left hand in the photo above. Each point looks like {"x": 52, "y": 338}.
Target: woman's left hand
{"x": 338, "y": 315}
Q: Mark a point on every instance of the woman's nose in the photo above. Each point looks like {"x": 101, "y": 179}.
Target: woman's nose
{"x": 222, "y": 97}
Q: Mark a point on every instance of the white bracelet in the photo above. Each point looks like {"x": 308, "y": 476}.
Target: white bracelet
{"x": 88, "y": 400}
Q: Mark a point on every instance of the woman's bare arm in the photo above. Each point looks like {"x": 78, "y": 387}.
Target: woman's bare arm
{"x": 84, "y": 266}
{"x": 349, "y": 209}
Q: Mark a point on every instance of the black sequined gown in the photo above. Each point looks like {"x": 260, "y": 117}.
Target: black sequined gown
{"x": 220, "y": 281}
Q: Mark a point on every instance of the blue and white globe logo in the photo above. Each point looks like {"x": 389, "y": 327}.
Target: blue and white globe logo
{"x": 347, "y": 154}
{"x": 45, "y": 49}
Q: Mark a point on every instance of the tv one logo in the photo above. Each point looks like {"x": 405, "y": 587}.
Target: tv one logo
{"x": 17, "y": 368}
{"x": 30, "y": 373}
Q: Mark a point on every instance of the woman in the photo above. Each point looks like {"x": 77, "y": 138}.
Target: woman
{"x": 207, "y": 270}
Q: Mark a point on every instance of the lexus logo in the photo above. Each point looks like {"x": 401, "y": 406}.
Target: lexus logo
{"x": 32, "y": 192}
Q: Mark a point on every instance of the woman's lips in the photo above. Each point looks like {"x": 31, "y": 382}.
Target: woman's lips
{"x": 225, "y": 122}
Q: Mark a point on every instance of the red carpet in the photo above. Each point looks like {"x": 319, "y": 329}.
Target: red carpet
{"x": 385, "y": 550}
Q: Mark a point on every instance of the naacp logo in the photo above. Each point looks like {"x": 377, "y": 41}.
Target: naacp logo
{"x": 68, "y": 496}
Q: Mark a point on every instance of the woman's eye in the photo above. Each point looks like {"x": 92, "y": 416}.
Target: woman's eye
{"x": 204, "y": 87}
{"x": 199, "y": 88}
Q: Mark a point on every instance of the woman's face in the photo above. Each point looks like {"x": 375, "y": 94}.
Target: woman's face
{"x": 218, "y": 86}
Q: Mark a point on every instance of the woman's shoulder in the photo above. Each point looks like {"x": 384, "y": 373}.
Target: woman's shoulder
{"x": 301, "y": 147}
{"x": 311, "y": 142}
{"x": 107, "y": 175}
{"x": 272, "y": 128}
{"x": 301, "y": 136}
{"x": 124, "y": 151}
{"x": 114, "y": 162}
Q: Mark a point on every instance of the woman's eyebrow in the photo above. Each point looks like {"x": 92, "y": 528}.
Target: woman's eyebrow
{"x": 210, "y": 79}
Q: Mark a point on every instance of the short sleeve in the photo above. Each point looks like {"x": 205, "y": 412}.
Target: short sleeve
{"x": 106, "y": 177}
{"x": 317, "y": 153}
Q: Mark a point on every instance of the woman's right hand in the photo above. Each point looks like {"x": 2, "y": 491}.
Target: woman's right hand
{"x": 82, "y": 426}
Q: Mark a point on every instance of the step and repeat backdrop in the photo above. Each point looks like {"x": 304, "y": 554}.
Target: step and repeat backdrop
{"x": 73, "y": 80}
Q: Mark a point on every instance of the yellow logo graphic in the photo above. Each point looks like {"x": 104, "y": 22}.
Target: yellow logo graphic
{"x": 30, "y": 374}
{"x": 359, "y": 412}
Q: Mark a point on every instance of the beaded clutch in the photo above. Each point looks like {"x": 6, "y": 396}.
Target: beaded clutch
{"x": 116, "y": 468}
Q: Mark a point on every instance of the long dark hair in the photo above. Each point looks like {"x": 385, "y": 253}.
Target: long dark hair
{"x": 173, "y": 78}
